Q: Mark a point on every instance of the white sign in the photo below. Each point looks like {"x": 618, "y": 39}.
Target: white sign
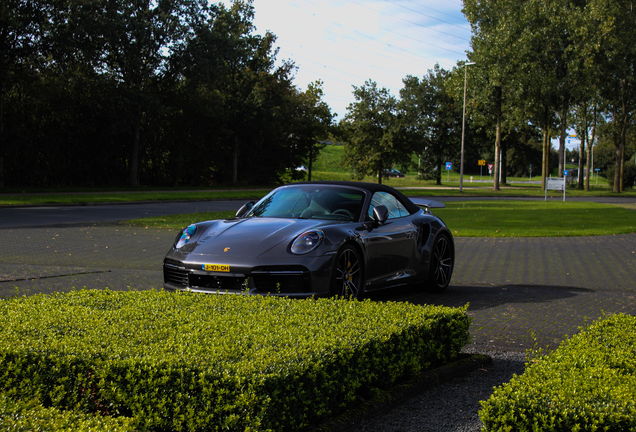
{"x": 554, "y": 183}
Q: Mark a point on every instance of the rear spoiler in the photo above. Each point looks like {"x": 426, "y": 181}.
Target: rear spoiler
{"x": 427, "y": 204}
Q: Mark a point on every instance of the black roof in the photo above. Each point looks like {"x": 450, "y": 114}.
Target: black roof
{"x": 371, "y": 187}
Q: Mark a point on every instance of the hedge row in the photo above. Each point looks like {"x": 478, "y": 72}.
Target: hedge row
{"x": 30, "y": 416}
{"x": 182, "y": 361}
{"x": 587, "y": 384}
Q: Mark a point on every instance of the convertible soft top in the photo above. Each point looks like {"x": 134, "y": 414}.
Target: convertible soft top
{"x": 371, "y": 187}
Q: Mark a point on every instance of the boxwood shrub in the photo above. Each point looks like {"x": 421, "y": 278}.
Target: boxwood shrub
{"x": 183, "y": 361}
{"x": 587, "y": 384}
{"x": 30, "y": 416}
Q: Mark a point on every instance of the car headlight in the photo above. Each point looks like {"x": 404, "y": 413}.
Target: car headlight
{"x": 185, "y": 236}
{"x": 306, "y": 242}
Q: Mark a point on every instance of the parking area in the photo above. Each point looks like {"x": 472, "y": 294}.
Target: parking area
{"x": 521, "y": 291}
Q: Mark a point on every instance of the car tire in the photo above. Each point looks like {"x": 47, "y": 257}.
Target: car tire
{"x": 347, "y": 277}
{"x": 441, "y": 264}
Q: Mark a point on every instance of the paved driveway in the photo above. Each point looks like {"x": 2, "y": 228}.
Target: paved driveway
{"x": 516, "y": 287}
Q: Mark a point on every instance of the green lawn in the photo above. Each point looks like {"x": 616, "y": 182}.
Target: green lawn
{"x": 490, "y": 219}
{"x": 536, "y": 219}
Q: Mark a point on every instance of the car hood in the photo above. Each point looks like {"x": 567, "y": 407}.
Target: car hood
{"x": 249, "y": 237}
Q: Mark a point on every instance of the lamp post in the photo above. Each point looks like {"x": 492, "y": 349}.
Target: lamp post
{"x": 461, "y": 164}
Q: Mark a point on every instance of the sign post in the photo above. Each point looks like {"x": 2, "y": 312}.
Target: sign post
{"x": 449, "y": 167}
{"x": 482, "y": 163}
{"x": 490, "y": 166}
{"x": 555, "y": 183}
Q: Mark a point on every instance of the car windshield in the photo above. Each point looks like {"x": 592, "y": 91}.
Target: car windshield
{"x": 311, "y": 202}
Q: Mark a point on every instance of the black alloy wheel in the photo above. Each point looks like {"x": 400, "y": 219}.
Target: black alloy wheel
{"x": 441, "y": 265}
{"x": 347, "y": 280}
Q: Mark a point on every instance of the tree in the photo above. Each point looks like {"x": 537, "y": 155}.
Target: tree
{"x": 137, "y": 38}
{"x": 609, "y": 40}
{"x": 311, "y": 121}
{"x": 22, "y": 28}
{"x": 496, "y": 29}
{"x": 373, "y": 141}
{"x": 433, "y": 116}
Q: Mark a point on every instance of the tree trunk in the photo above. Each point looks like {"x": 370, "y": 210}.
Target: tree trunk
{"x": 590, "y": 151}
{"x": 311, "y": 160}
{"x": 504, "y": 159}
{"x": 439, "y": 172}
{"x": 620, "y": 146}
{"x": 235, "y": 161}
{"x": 495, "y": 185}
{"x": 617, "y": 169}
{"x": 582, "y": 148}
{"x": 133, "y": 166}
{"x": 564, "y": 127}
{"x": 546, "y": 157}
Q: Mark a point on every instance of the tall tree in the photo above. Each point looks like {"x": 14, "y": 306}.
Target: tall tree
{"x": 23, "y": 25}
{"x": 311, "y": 120}
{"x": 373, "y": 143}
{"x": 496, "y": 31}
{"x": 609, "y": 38}
{"x": 434, "y": 117}
{"x": 138, "y": 36}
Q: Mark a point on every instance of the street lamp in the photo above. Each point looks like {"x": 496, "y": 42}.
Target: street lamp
{"x": 461, "y": 164}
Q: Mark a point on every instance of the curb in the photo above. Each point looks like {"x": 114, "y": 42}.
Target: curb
{"x": 399, "y": 394}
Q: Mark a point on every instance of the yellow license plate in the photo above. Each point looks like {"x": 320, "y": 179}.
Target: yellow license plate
{"x": 216, "y": 267}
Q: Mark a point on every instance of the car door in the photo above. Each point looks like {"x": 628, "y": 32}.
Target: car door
{"x": 391, "y": 246}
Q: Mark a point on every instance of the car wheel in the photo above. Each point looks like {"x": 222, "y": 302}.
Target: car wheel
{"x": 441, "y": 264}
{"x": 346, "y": 279}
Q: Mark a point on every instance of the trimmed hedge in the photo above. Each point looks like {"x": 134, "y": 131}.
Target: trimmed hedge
{"x": 587, "y": 384}
{"x": 183, "y": 361}
{"x": 18, "y": 416}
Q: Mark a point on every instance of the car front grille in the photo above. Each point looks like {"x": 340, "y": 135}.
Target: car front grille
{"x": 285, "y": 280}
{"x": 175, "y": 274}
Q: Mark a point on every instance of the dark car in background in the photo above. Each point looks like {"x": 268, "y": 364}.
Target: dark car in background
{"x": 392, "y": 173}
{"x": 316, "y": 239}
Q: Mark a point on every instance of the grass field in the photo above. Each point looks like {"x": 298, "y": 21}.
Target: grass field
{"x": 490, "y": 219}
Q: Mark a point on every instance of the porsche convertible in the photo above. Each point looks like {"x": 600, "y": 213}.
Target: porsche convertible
{"x": 316, "y": 239}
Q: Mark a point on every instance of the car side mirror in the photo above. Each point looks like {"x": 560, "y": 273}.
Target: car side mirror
{"x": 380, "y": 214}
{"x": 244, "y": 209}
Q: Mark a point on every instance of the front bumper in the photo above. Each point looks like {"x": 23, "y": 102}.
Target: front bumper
{"x": 301, "y": 277}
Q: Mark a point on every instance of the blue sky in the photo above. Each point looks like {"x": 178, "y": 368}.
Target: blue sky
{"x": 346, "y": 42}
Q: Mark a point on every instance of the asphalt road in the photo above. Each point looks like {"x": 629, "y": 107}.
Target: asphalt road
{"x": 51, "y": 215}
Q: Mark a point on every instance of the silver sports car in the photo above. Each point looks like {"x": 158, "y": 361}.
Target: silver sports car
{"x": 316, "y": 239}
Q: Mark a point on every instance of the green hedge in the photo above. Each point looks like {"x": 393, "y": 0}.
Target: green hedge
{"x": 587, "y": 384}
{"x": 182, "y": 361}
{"x": 18, "y": 416}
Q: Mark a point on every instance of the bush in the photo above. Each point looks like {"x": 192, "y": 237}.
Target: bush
{"x": 587, "y": 384}
{"x": 183, "y": 361}
{"x": 19, "y": 416}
